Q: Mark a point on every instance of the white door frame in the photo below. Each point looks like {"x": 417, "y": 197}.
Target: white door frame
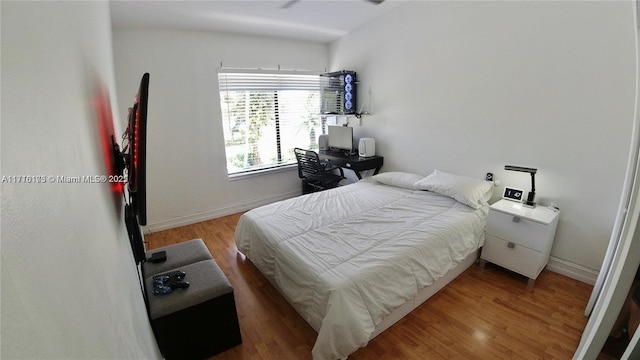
{"x": 623, "y": 254}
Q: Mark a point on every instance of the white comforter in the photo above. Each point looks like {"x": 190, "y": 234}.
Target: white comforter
{"x": 345, "y": 258}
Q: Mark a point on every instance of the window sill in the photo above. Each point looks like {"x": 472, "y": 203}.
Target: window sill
{"x": 262, "y": 172}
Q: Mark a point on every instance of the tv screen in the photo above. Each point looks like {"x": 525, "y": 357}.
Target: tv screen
{"x": 136, "y": 162}
{"x": 135, "y": 235}
{"x": 340, "y": 137}
{"x": 133, "y": 158}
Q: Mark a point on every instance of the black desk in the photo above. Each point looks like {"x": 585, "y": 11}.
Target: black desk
{"x": 352, "y": 162}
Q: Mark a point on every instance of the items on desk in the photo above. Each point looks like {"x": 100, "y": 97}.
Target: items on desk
{"x": 340, "y": 137}
{"x": 323, "y": 142}
{"x": 367, "y": 147}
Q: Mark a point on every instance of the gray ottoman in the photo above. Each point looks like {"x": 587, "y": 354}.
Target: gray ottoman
{"x": 180, "y": 254}
{"x": 199, "y": 321}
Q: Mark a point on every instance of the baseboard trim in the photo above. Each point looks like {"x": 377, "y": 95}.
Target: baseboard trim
{"x": 572, "y": 270}
{"x": 213, "y": 214}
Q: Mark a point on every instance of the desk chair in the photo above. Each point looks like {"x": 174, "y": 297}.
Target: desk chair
{"x": 315, "y": 174}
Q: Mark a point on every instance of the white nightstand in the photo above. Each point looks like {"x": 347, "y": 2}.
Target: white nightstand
{"x": 519, "y": 238}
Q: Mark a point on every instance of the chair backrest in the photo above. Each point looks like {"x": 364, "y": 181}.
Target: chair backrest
{"x": 309, "y": 165}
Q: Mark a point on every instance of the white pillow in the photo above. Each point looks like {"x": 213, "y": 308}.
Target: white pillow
{"x": 467, "y": 190}
{"x": 398, "y": 179}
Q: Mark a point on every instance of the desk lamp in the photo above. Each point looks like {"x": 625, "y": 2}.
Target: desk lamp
{"x": 532, "y": 194}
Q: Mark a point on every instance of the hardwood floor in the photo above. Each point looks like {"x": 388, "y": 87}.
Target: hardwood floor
{"x": 483, "y": 314}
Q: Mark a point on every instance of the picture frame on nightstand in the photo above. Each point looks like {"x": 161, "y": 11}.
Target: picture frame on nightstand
{"x": 513, "y": 194}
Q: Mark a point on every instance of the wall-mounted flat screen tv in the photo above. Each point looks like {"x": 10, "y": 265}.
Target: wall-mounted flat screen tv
{"x": 133, "y": 159}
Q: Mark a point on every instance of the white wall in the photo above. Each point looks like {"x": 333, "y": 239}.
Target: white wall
{"x": 69, "y": 283}
{"x": 186, "y": 175}
{"x": 469, "y": 87}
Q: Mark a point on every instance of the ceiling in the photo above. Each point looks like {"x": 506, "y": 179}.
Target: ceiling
{"x": 314, "y": 20}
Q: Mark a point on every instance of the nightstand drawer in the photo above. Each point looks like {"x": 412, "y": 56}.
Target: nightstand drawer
{"x": 519, "y": 230}
{"x": 518, "y": 258}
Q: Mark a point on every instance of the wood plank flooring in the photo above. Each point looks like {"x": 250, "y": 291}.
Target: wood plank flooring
{"x": 483, "y": 314}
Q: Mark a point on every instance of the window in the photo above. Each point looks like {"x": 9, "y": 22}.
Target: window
{"x": 265, "y": 115}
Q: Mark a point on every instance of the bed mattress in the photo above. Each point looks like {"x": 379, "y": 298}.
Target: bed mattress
{"x": 347, "y": 257}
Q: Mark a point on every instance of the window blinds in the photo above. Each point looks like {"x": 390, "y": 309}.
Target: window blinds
{"x": 259, "y": 80}
{"x": 265, "y": 115}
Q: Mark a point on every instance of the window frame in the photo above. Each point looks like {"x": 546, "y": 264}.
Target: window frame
{"x": 278, "y": 83}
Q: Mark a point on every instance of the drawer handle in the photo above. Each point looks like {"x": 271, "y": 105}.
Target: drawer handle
{"x": 516, "y": 219}
{"x": 511, "y": 245}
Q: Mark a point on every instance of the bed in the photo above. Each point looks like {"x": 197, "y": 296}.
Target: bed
{"x": 355, "y": 259}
